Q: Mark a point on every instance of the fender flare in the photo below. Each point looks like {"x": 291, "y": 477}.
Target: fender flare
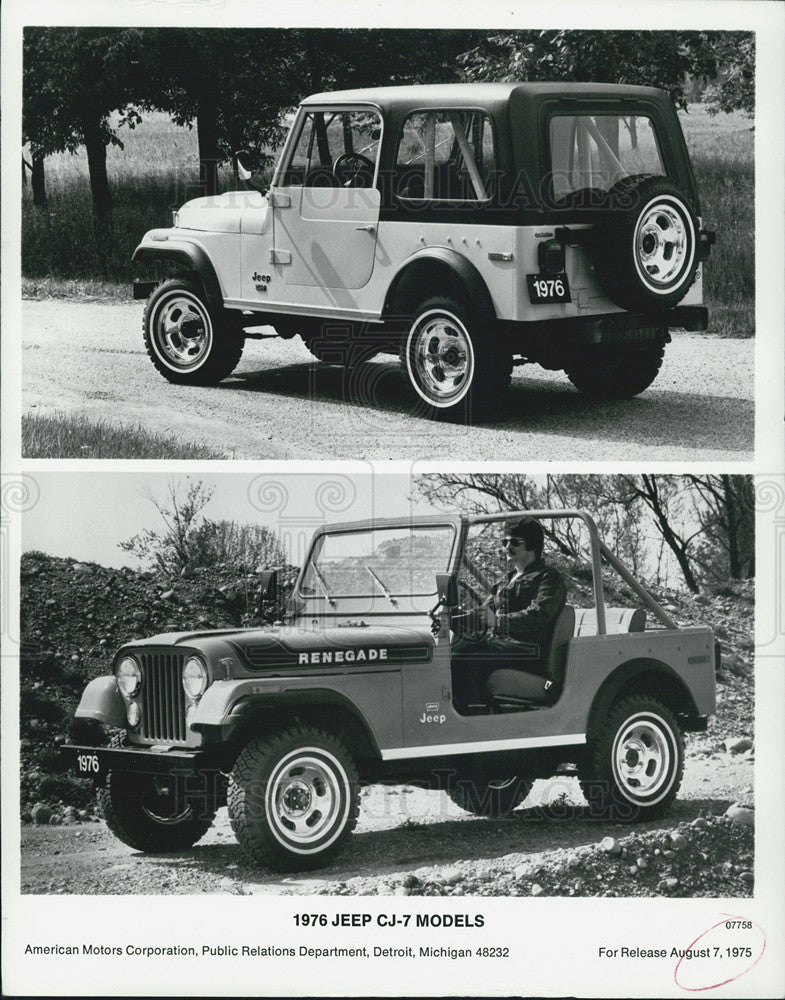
{"x": 228, "y": 703}
{"x": 102, "y": 701}
{"x": 625, "y": 675}
{"x": 463, "y": 269}
{"x": 189, "y": 255}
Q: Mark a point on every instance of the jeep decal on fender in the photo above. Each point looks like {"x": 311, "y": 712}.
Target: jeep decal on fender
{"x": 318, "y": 656}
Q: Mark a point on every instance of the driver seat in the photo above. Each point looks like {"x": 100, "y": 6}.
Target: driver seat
{"x": 512, "y": 690}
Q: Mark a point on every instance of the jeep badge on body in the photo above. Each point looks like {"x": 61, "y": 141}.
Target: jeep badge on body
{"x": 465, "y": 228}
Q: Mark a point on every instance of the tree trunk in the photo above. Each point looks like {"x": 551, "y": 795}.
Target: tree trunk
{"x": 39, "y": 180}
{"x": 207, "y": 130}
{"x": 96, "y": 163}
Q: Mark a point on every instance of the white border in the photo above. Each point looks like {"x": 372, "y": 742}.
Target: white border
{"x": 556, "y": 940}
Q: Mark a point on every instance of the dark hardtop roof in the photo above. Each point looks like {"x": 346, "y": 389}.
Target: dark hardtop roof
{"x": 474, "y": 94}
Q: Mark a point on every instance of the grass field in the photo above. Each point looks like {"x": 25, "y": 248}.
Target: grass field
{"x": 158, "y": 170}
{"x": 61, "y": 435}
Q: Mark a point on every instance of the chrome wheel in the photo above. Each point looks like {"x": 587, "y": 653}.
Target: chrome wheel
{"x": 307, "y": 801}
{"x": 182, "y": 331}
{"x": 643, "y": 759}
{"x": 664, "y": 244}
{"x": 440, "y": 358}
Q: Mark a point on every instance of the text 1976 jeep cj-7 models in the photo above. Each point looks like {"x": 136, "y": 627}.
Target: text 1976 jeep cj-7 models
{"x": 357, "y": 687}
{"x": 461, "y": 226}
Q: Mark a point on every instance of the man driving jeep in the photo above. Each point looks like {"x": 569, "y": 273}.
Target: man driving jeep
{"x": 518, "y": 617}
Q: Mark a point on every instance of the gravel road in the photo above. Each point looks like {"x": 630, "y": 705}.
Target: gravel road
{"x": 88, "y": 358}
{"x": 403, "y": 833}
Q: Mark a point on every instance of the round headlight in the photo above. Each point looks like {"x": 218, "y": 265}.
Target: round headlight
{"x": 129, "y": 676}
{"x": 194, "y": 677}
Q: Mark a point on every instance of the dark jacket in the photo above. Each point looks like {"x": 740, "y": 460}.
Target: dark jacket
{"x": 526, "y": 609}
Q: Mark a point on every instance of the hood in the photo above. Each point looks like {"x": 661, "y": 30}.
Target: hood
{"x": 292, "y": 647}
{"x": 221, "y": 213}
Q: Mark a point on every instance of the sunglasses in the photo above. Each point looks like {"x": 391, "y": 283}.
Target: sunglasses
{"x": 511, "y": 543}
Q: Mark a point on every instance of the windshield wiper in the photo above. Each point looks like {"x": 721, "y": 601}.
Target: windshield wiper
{"x": 323, "y": 585}
{"x": 383, "y": 588}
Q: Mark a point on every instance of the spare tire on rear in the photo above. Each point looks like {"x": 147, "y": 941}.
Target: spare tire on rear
{"x": 647, "y": 254}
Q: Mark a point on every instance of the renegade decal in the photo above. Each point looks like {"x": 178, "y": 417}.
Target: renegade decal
{"x": 341, "y": 656}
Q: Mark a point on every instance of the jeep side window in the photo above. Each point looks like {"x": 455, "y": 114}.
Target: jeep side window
{"x": 445, "y": 156}
{"x": 597, "y": 151}
{"x": 330, "y": 137}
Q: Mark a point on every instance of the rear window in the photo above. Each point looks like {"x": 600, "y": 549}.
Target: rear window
{"x": 593, "y": 151}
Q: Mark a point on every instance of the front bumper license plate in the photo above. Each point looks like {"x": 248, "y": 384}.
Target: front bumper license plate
{"x": 544, "y": 288}
{"x": 97, "y": 762}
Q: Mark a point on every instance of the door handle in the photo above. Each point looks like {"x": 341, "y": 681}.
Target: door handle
{"x": 364, "y": 229}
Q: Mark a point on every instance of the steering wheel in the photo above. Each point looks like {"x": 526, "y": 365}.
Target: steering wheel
{"x": 350, "y": 167}
{"x": 470, "y": 622}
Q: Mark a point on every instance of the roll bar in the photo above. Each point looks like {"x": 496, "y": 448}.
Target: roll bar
{"x": 599, "y": 551}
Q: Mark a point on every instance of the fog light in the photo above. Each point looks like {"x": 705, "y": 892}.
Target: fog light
{"x": 133, "y": 714}
{"x": 550, "y": 256}
{"x": 190, "y": 712}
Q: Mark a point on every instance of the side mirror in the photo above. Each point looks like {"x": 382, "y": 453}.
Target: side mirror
{"x": 269, "y": 582}
{"x": 447, "y": 589}
{"x": 245, "y": 164}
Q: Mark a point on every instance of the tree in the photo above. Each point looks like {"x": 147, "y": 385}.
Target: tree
{"x": 171, "y": 549}
{"x": 74, "y": 78}
{"x": 727, "y": 517}
{"x": 662, "y": 494}
{"x": 655, "y": 58}
{"x": 235, "y": 83}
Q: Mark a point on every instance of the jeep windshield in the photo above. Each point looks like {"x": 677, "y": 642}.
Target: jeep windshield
{"x": 592, "y": 152}
{"x": 388, "y": 562}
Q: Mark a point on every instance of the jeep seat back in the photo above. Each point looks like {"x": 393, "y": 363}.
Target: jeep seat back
{"x": 511, "y": 689}
{"x": 616, "y": 620}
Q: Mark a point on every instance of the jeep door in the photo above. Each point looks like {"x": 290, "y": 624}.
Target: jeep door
{"x": 325, "y": 199}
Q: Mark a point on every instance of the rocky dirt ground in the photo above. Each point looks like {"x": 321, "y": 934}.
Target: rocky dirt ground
{"x": 409, "y": 841}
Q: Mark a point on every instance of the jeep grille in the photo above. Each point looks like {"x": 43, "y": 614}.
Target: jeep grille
{"x": 163, "y": 698}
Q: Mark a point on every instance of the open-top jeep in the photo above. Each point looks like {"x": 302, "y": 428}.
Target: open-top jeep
{"x": 464, "y": 227}
{"x": 358, "y": 687}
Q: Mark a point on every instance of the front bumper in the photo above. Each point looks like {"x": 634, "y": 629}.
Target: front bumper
{"x": 96, "y": 762}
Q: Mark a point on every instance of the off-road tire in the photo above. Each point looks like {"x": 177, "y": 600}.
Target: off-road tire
{"x": 278, "y": 782}
{"x": 618, "y": 781}
{"x": 122, "y": 803}
{"x": 646, "y": 254}
{"x": 480, "y": 795}
{"x": 214, "y": 344}
{"x": 618, "y": 372}
{"x": 474, "y": 371}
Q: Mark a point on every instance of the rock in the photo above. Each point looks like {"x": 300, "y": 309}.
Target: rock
{"x": 167, "y": 595}
{"x": 669, "y": 854}
{"x": 666, "y": 884}
{"x": 679, "y": 841}
{"x": 55, "y": 820}
{"x": 633, "y": 869}
{"x": 410, "y": 881}
{"x": 139, "y": 616}
{"x": 699, "y": 824}
{"x": 41, "y": 813}
{"x": 71, "y": 814}
{"x": 26, "y": 817}
{"x": 401, "y": 890}
{"x": 740, "y": 815}
{"x": 747, "y": 877}
{"x": 521, "y": 871}
{"x": 537, "y": 890}
{"x": 642, "y": 862}
{"x": 82, "y": 568}
{"x": 610, "y": 845}
{"x": 738, "y": 745}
